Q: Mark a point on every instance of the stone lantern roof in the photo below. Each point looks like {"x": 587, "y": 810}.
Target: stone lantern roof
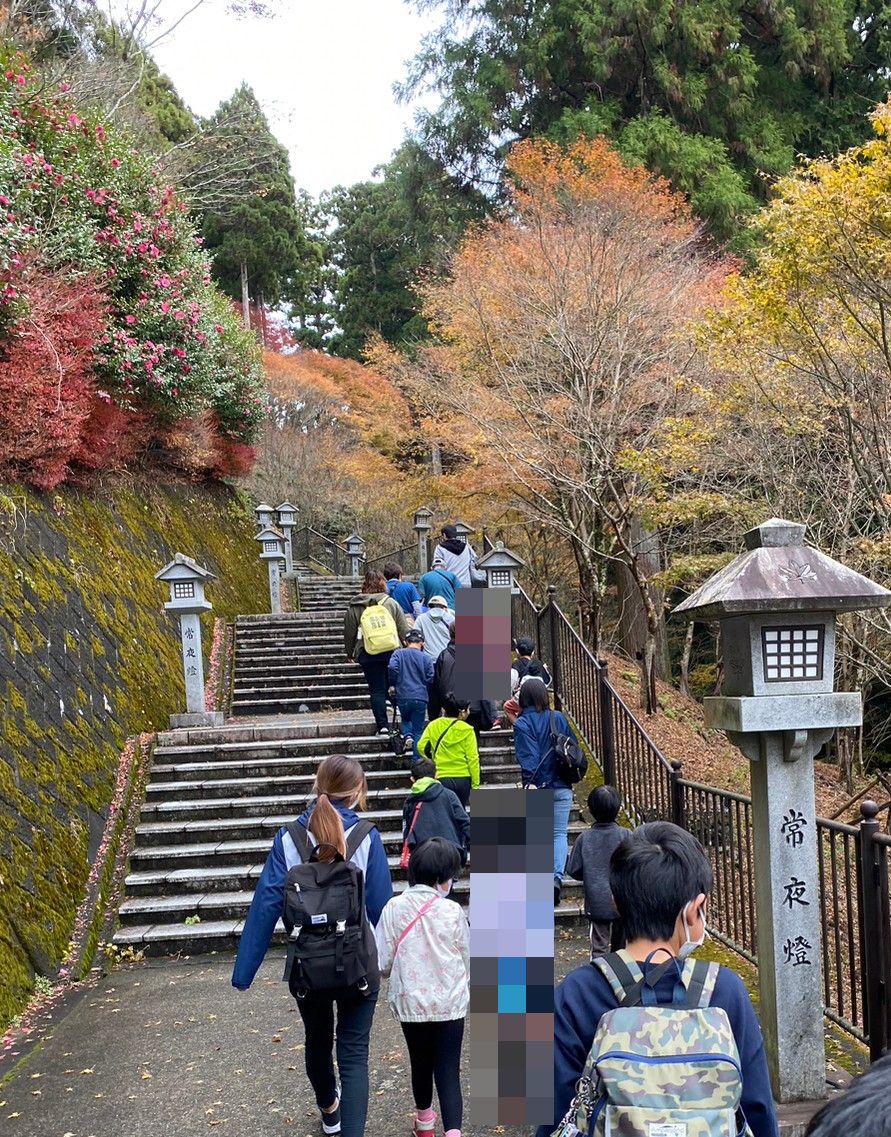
{"x": 184, "y": 568}
{"x": 499, "y": 557}
{"x": 778, "y": 573}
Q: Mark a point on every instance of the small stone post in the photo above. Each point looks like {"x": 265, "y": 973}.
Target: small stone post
{"x": 422, "y": 526}
{"x": 355, "y": 550}
{"x": 272, "y": 550}
{"x": 287, "y": 519}
{"x": 777, "y": 604}
{"x": 187, "y": 580}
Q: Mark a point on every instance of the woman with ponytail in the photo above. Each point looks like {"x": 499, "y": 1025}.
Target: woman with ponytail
{"x": 340, "y": 788}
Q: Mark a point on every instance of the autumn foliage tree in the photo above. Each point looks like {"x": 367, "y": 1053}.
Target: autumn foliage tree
{"x": 562, "y": 337}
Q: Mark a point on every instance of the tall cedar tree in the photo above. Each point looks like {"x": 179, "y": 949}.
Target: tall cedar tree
{"x": 387, "y": 234}
{"x": 713, "y": 96}
{"x": 259, "y": 231}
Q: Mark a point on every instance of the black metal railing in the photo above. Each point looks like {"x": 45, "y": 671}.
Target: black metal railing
{"x": 319, "y": 552}
{"x": 855, "y": 901}
{"x": 409, "y": 557}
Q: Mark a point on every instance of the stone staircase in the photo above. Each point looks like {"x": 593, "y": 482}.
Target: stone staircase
{"x": 216, "y": 797}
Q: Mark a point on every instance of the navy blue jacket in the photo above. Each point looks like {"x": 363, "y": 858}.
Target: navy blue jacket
{"x": 585, "y": 996}
{"x": 534, "y": 749}
{"x": 411, "y": 673}
{"x": 266, "y": 907}
{"x": 404, "y": 593}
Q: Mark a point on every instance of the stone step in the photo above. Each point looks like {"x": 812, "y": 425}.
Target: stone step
{"x": 269, "y": 766}
{"x": 291, "y": 730}
{"x": 247, "y": 690}
{"x": 290, "y": 669}
{"x": 319, "y": 659}
{"x": 286, "y": 784}
{"x": 230, "y": 850}
{"x": 160, "y": 930}
{"x": 209, "y": 806}
{"x": 153, "y": 834}
{"x": 282, "y": 741}
{"x": 285, "y": 706}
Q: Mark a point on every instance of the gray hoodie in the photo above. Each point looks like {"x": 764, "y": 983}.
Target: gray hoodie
{"x": 435, "y": 625}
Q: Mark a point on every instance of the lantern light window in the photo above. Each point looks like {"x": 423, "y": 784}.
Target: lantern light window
{"x": 792, "y": 653}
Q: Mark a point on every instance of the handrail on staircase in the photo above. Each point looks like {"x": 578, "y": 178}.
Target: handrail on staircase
{"x": 309, "y": 545}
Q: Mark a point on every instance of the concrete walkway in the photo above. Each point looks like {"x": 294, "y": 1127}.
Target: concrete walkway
{"x": 167, "y": 1048}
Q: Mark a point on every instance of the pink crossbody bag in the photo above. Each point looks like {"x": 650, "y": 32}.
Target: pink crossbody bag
{"x": 409, "y": 926}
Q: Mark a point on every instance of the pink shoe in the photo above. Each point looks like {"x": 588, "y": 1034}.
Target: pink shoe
{"x": 424, "y": 1128}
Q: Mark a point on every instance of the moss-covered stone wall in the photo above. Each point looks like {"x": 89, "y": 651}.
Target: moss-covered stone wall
{"x": 88, "y": 656}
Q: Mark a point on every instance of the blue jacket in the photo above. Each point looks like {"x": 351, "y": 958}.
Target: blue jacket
{"x": 411, "y": 673}
{"x": 405, "y": 594}
{"x": 439, "y": 582}
{"x": 584, "y": 997}
{"x": 266, "y": 907}
{"x": 534, "y": 749}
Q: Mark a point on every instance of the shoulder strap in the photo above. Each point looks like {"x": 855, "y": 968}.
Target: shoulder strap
{"x": 699, "y": 977}
{"x": 441, "y": 737}
{"x": 300, "y": 839}
{"x": 356, "y": 836}
{"x": 620, "y": 971}
{"x": 409, "y": 927}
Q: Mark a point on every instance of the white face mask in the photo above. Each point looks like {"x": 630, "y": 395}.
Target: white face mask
{"x": 691, "y": 945}
{"x": 444, "y": 890}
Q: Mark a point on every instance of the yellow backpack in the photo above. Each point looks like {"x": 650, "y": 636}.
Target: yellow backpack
{"x": 378, "y": 629}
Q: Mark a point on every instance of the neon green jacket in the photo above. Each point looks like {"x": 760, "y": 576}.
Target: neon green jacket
{"x": 457, "y": 755}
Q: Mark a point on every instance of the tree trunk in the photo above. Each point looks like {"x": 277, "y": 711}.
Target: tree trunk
{"x": 436, "y": 459}
{"x": 245, "y": 297}
{"x": 635, "y": 598}
{"x": 684, "y": 684}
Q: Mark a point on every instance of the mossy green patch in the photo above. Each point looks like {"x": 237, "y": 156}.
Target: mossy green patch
{"x": 89, "y": 657}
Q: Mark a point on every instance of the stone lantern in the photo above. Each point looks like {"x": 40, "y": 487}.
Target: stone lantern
{"x": 287, "y": 519}
{"x": 272, "y": 550}
{"x": 265, "y": 515}
{"x": 422, "y": 526}
{"x": 500, "y": 566}
{"x": 355, "y": 550}
{"x": 463, "y": 530}
{"x": 187, "y": 580}
{"x": 777, "y": 605}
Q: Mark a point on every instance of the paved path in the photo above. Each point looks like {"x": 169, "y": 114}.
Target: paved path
{"x": 167, "y": 1048}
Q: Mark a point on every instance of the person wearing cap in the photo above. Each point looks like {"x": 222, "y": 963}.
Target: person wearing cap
{"x": 458, "y": 557}
{"x": 410, "y": 671}
{"x": 525, "y": 658}
{"x": 435, "y": 625}
{"x": 439, "y": 582}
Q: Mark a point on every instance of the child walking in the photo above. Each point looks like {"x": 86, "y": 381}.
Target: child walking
{"x": 450, "y": 743}
{"x": 589, "y": 863}
{"x": 410, "y": 671}
{"x": 424, "y": 943}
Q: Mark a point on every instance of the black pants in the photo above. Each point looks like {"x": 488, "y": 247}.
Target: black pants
{"x": 375, "y": 669}
{"x": 354, "y": 1015}
{"x": 459, "y": 786}
{"x": 434, "y": 1051}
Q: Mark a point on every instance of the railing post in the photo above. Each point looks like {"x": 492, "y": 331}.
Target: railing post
{"x": 607, "y": 724}
{"x": 873, "y": 931}
{"x": 677, "y": 793}
{"x": 556, "y": 662}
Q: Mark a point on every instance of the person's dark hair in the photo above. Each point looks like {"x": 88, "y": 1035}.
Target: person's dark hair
{"x": 449, "y": 532}
{"x": 656, "y": 871}
{"x": 452, "y": 705}
{"x": 392, "y": 571}
{"x": 858, "y": 1111}
{"x": 604, "y": 803}
{"x": 533, "y": 694}
{"x": 525, "y": 646}
{"x": 373, "y": 581}
{"x": 423, "y": 768}
{"x": 434, "y": 861}
{"x": 535, "y": 670}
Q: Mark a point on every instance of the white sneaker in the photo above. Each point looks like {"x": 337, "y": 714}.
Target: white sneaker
{"x": 331, "y": 1121}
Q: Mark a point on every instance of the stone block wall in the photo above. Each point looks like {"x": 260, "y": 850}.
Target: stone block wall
{"x": 88, "y": 656}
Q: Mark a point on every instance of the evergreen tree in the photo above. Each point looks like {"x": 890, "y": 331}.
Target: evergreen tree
{"x": 309, "y": 289}
{"x": 251, "y": 225}
{"x": 386, "y": 234}
{"x": 714, "y": 95}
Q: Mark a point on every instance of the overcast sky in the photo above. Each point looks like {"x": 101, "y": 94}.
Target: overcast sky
{"x": 323, "y": 72}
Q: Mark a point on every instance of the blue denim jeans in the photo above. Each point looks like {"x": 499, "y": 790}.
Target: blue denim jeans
{"x": 413, "y": 713}
{"x": 562, "y": 807}
{"x": 354, "y": 1015}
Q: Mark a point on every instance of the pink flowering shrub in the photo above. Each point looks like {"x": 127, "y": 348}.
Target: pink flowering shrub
{"x": 79, "y": 204}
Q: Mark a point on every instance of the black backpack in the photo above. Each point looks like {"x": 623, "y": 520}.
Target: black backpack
{"x": 330, "y": 942}
{"x": 572, "y": 765}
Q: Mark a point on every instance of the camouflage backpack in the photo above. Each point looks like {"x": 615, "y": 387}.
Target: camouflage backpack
{"x": 659, "y": 1071}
